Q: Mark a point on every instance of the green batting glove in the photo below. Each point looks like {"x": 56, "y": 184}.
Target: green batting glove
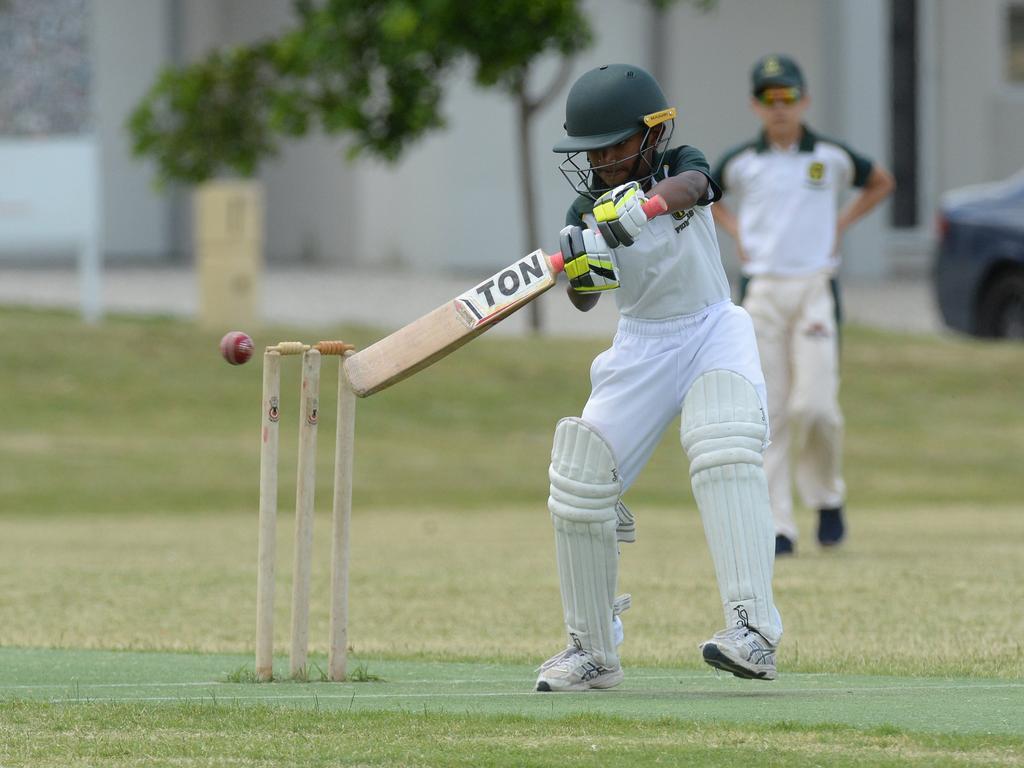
{"x": 589, "y": 263}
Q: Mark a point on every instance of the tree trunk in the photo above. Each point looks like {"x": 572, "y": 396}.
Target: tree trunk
{"x": 527, "y": 107}
{"x": 526, "y": 186}
{"x": 658, "y": 42}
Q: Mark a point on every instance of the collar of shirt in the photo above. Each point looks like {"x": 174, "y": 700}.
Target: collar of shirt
{"x": 806, "y": 144}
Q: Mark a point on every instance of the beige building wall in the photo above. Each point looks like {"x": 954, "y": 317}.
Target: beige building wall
{"x": 453, "y": 201}
{"x": 979, "y": 115}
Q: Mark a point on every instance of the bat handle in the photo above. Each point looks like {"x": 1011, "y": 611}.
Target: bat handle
{"x": 654, "y": 206}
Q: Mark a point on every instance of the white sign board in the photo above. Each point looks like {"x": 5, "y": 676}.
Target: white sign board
{"x": 49, "y": 201}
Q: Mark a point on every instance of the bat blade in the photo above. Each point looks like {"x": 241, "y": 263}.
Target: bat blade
{"x": 438, "y": 333}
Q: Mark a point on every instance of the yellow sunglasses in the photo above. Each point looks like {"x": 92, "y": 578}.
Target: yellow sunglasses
{"x": 771, "y": 96}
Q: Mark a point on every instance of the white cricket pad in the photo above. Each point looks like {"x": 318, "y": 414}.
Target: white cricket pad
{"x": 584, "y": 491}
{"x": 724, "y": 431}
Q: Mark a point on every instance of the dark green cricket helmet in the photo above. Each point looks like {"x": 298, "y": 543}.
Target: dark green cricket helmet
{"x": 609, "y": 104}
{"x": 605, "y": 106}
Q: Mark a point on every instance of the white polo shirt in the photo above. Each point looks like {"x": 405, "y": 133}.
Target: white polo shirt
{"x": 674, "y": 268}
{"x": 787, "y": 200}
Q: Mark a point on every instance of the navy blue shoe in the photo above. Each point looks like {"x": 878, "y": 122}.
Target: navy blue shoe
{"x": 831, "y": 528}
{"x": 784, "y": 545}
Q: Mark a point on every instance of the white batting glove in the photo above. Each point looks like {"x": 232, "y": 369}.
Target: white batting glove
{"x": 589, "y": 262}
{"x": 620, "y": 215}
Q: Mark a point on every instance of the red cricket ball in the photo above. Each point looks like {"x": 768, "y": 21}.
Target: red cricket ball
{"x": 236, "y": 347}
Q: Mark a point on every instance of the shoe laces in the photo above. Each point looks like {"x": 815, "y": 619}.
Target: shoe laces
{"x": 567, "y": 662}
{"x": 742, "y": 627}
{"x": 578, "y": 664}
{"x": 620, "y": 606}
{"x": 559, "y": 658}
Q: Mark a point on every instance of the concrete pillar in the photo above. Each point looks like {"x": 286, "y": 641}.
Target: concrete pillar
{"x": 129, "y": 46}
{"x": 856, "y": 89}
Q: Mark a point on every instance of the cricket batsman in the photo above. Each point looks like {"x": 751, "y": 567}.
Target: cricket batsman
{"x": 682, "y": 347}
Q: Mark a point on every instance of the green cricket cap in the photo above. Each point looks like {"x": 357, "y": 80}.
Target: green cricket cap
{"x": 775, "y": 70}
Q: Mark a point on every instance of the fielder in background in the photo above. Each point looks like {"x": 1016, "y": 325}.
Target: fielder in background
{"x": 786, "y": 184}
{"x": 681, "y": 346}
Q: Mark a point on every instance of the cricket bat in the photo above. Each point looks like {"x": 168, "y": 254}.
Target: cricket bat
{"x": 438, "y": 333}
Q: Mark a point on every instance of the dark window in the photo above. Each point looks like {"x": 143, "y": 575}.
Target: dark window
{"x": 903, "y": 40}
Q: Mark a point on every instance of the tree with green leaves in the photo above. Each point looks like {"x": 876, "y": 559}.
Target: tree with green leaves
{"x": 372, "y": 70}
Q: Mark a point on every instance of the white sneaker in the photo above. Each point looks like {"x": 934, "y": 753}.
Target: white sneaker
{"x": 575, "y": 670}
{"x": 565, "y": 660}
{"x": 741, "y": 650}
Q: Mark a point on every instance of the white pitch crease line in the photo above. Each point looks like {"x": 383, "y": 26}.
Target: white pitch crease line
{"x": 310, "y": 697}
{"x": 109, "y": 685}
{"x": 351, "y": 694}
{"x": 511, "y": 681}
{"x": 468, "y": 681}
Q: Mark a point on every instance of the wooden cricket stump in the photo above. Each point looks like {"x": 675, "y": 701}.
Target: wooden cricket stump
{"x": 309, "y": 417}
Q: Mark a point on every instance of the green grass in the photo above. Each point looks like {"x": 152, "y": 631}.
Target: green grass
{"x": 201, "y": 734}
{"x": 961, "y": 706}
{"x": 139, "y": 706}
{"x": 918, "y": 592}
{"x": 125, "y": 413}
{"x": 128, "y": 511}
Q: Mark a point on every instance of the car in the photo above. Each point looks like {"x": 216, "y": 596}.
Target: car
{"x": 979, "y": 259}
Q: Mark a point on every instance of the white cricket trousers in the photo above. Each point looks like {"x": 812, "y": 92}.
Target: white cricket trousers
{"x": 638, "y": 385}
{"x": 795, "y": 322}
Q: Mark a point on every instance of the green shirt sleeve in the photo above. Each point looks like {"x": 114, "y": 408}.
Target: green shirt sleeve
{"x": 687, "y": 158}
{"x": 580, "y": 206}
{"x": 861, "y": 168}
{"x": 862, "y": 164}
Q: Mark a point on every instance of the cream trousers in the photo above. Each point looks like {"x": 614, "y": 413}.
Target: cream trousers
{"x": 794, "y": 319}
